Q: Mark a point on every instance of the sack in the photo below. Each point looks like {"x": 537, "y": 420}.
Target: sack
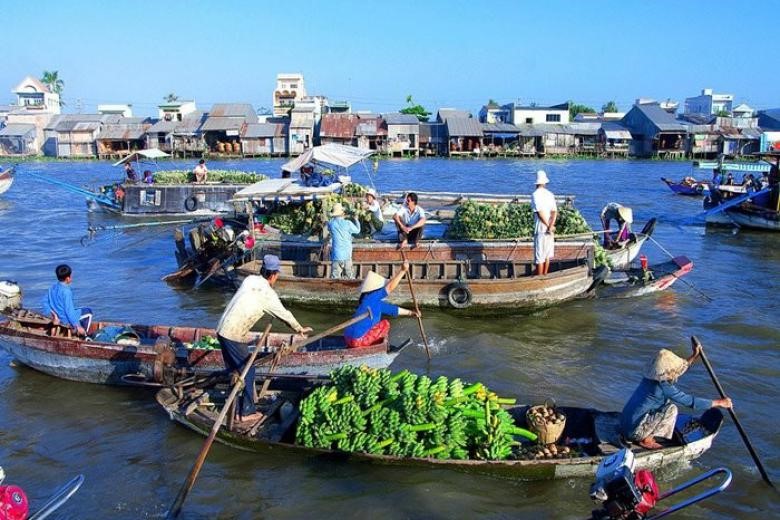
{"x": 117, "y": 334}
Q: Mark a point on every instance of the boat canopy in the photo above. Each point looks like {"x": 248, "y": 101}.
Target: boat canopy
{"x": 333, "y": 155}
{"x": 151, "y": 154}
{"x": 281, "y": 190}
{"x": 760, "y": 166}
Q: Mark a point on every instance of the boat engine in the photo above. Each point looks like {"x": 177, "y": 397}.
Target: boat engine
{"x": 10, "y": 296}
{"x": 625, "y": 494}
{"x": 13, "y": 501}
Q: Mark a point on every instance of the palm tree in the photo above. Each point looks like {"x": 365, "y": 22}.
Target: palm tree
{"x": 171, "y": 98}
{"x": 52, "y": 80}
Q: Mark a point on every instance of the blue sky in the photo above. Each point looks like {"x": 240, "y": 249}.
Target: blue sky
{"x": 444, "y": 53}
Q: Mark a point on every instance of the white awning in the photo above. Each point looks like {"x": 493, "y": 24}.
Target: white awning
{"x": 617, "y": 134}
{"x": 330, "y": 154}
{"x": 283, "y": 190}
{"x": 152, "y": 153}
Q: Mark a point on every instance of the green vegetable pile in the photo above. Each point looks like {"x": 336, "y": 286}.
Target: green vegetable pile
{"x": 206, "y": 343}
{"x": 313, "y": 216}
{"x": 354, "y": 189}
{"x": 224, "y": 176}
{"x": 376, "y": 411}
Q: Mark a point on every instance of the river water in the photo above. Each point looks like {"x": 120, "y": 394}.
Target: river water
{"x": 585, "y": 353}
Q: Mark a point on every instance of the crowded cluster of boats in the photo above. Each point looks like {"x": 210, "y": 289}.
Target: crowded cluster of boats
{"x": 232, "y": 238}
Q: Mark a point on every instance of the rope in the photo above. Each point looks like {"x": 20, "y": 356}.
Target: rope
{"x": 686, "y": 282}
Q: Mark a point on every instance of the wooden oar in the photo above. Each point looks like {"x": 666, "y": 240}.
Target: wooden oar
{"x": 187, "y": 486}
{"x": 740, "y": 429}
{"x": 308, "y": 341}
{"x": 416, "y": 307}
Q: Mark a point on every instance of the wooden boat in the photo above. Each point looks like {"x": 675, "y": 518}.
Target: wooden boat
{"x": 638, "y": 282}
{"x": 596, "y": 433}
{"x": 621, "y": 257}
{"x": 689, "y": 187}
{"x": 475, "y": 286}
{"x": 6, "y": 179}
{"x": 35, "y": 342}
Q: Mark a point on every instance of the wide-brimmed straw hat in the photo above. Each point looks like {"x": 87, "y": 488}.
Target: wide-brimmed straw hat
{"x": 626, "y": 214}
{"x": 372, "y": 282}
{"x": 372, "y": 192}
{"x": 541, "y": 177}
{"x": 666, "y": 366}
{"x": 338, "y": 210}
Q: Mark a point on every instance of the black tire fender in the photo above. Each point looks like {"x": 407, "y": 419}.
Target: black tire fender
{"x": 191, "y": 203}
{"x": 459, "y": 295}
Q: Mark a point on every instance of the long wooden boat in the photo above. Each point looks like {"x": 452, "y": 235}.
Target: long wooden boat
{"x": 595, "y": 432}
{"x": 35, "y": 342}
{"x": 621, "y": 257}
{"x": 6, "y": 179}
{"x": 638, "y": 282}
{"x": 692, "y": 188}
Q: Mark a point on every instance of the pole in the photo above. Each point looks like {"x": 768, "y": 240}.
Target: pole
{"x": 740, "y": 429}
{"x": 190, "y": 481}
{"x": 417, "y": 308}
{"x": 330, "y": 331}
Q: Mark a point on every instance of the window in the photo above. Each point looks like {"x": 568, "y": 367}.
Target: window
{"x": 553, "y": 118}
{"x": 529, "y": 120}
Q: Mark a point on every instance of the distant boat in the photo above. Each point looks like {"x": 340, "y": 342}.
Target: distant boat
{"x": 688, "y": 186}
{"x": 6, "y": 179}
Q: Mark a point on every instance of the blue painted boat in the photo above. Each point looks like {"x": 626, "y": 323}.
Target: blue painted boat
{"x": 690, "y": 189}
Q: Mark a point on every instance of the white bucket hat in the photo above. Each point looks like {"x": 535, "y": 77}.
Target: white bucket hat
{"x": 666, "y": 366}
{"x": 626, "y": 214}
{"x": 372, "y": 192}
{"x": 338, "y": 210}
{"x": 541, "y": 177}
{"x": 372, "y": 282}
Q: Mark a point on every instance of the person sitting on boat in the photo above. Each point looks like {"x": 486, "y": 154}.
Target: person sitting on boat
{"x": 255, "y": 298}
{"x": 651, "y": 411}
{"x": 624, "y": 217}
{"x": 130, "y": 174}
{"x": 341, "y": 230}
{"x": 148, "y": 177}
{"x": 717, "y": 178}
{"x": 729, "y": 179}
{"x": 545, "y": 213}
{"x": 58, "y": 303}
{"x": 373, "y": 329}
{"x": 375, "y": 212}
{"x": 410, "y": 220}
{"x": 201, "y": 172}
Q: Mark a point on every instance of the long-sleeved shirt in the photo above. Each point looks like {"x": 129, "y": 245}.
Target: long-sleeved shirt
{"x": 59, "y": 299}
{"x": 341, "y": 231}
{"x": 253, "y": 299}
{"x": 374, "y": 301}
{"x": 650, "y": 396}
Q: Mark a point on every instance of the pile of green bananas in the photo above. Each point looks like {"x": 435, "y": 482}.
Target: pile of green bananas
{"x": 354, "y": 189}
{"x": 405, "y": 415}
{"x": 206, "y": 343}
{"x": 224, "y": 176}
{"x": 312, "y": 217}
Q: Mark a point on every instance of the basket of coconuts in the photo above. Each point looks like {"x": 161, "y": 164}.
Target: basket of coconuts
{"x": 547, "y": 422}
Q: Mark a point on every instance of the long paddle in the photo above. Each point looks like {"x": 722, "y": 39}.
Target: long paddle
{"x": 187, "y": 486}
{"x": 740, "y": 429}
{"x": 416, "y": 307}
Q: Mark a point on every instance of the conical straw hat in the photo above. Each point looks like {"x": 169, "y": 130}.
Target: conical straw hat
{"x": 372, "y": 282}
{"x": 666, "y": 366}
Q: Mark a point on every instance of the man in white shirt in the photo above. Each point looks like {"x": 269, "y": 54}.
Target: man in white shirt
{"x": 545, "y": 213}
{"x": 410, "y": 220}
{"x": 375, "y": 210}
{"x": 253, "y": 299}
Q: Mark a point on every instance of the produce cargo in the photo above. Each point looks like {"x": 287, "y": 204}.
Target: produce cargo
{"x": 223, "y": 176}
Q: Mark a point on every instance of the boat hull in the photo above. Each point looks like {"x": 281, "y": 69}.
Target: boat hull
{"x": 634, "y": 285}
{"x": 6, "y": 180}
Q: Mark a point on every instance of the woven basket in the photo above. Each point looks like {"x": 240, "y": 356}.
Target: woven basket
{"x": 548, "y": 432}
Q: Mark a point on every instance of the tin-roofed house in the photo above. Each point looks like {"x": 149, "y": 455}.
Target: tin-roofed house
{"x": 180, "y": 138}
{"x": 73, "y": 135}
{"x": 223, "y": 126}
{"x": 264, "y": 139}
{"x": 339, "y": 129}
{"x": 18, "y": 139}
{"x": 371, "y": 133}
{"x": 403, "y": 134}
{"x": 433, "y": 139}
{"x": 122, "y": 137}
{"x": 301, "y": 135}
{"x": 464, "y": 133}
{"x": 586, "y": 137}
{"x": 655, "y": 132}
{"x": 500, "y": 139}
{"x": 737, "y": 142}
{"x": 614, "y": 140}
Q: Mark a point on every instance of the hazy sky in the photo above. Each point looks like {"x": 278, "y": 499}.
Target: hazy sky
{"x": 445, "y": 53}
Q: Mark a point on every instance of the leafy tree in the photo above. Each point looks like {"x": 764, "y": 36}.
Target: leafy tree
{"x": 415, "y": 110}
{"x": 171, "y": 98}
{"x": 610, "y": 106}
{"x": 52, "y": 80}
{"x": 575, "y": 108}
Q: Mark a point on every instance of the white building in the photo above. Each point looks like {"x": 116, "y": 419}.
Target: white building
{"x": 289, "y": 89}
{"x": 175, "y": 110}
{"x": 708, "y": 103}
{"x": 34, "y": 96}
{"x": 124, "y": 110}
{"x": 534, "y": 115}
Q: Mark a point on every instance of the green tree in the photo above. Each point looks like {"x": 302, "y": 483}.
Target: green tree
{"x": 171, "y": 98}
{"x": 576, "y": 108}
{"x": 51, "y": 78}
{"x": 416, "y": 110}
{"x": 610, "y": 106}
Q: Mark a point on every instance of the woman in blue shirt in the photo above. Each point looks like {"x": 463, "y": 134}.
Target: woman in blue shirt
{"x": 652, "y": 409}
{"x": 373, "y": 291}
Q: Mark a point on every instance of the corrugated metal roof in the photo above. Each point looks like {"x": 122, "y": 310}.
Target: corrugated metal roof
{"x": 120, "y": 133}
{"x": 370, "y": 127}
{"x": 614, "y": 130}
{"x": 445, "y": 113}
{"x": 396, "y": 118}
{"x": 464, "y": 127}
{"x": 67, "y": 122}
{"x": 162, "y": 127}
{"x": 663, "y": 120}
{"x": 340, "y": 126}
{"x": 499, "y": 128}
{"x": 218, "y": 123}
{"x": 301, "y": 119}
{"x": 234, "y": 110}
{"x": 16, "y": 129}
{"x": 429, "y": 130}
{"x": 584, "y": 128}
{"x": 259, "y": 130}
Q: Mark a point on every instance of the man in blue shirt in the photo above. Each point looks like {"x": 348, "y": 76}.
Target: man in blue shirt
{"x": 373, "y": 291}
{"x": 652, "y": 409}
{"x": 341, "y": 231}
{"x": 58, "y": 304}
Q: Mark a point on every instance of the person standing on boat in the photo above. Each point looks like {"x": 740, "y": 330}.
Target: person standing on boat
{"x": 148, "y": 177}
{"x": 545, "y": 214}
{"x": 623, "y": 216}
{"x": 410, "y": 220}
{"x": 373, "y": 329}
{"x": 255, "y": 298}
{"x": 651, "y": 411}
{"x": 375, "y": 212}
{"x": 201, "y": 172}
{"x": 341, "y": 230}
{"x": 130, "y": 175}
{"x": 58, "y": 303}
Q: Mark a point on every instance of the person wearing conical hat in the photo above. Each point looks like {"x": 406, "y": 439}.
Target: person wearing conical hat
{"x": 373, "y": 291}
{"x": 545, "y": 212}
{"x": 651, "y": 411}
{"x": 341, "y": 230}
{"x": 624, "y": 217}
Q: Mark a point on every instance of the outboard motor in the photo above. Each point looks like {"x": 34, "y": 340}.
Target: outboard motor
{"x": 13, "y": 501}
{"x": 10, "y": 296}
